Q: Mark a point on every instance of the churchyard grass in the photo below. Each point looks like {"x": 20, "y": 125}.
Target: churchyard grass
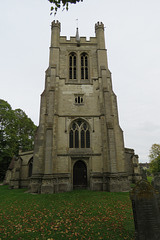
{"x": 73, "y": 215}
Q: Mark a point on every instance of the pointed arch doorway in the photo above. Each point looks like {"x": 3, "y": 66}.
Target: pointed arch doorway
{"x": 79, "y": 175}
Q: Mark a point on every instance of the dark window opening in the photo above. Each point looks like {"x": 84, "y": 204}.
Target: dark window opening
{"x": 74, "y": 73}
{"x": 82, "y": 139}
{"x": 87, "y": 139}
{"x": 79, "y": 99}
{"x": 71, "y": 139}
{"x": 76, "y": 139}
{"x": 84, "y": 66}
{"x": 72, "y": 66}
{"x": 79, "y": 122}
{"x": 70, "y": 73}
{"x": 82, "y": 73}
{"x": 70, "y": 60}
{"x": 86, "y": 73}
{"x": 74, "y": 126}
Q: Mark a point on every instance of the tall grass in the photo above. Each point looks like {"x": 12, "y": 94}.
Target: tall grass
{"x": 73, "y": 215}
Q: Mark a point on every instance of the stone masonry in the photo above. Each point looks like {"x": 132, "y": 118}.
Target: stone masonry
{"x": 78, "y": 95}
{"x": 79, "y": 143}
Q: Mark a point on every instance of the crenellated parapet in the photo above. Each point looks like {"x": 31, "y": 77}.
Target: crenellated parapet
{"x": 55, "y": 33}
{"x": 99, "y": 30}
{"x": 83, "y": 40}
{"x": 99, "y": 25}
{"x": 56, "y": 23}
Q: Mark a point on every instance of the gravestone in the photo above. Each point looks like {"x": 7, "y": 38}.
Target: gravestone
{"x": 156, "y": 182}
{"x": 145, "y": 211}
{"x": 143, "y": 173}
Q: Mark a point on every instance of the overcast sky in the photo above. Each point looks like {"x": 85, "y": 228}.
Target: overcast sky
{"x": 132, "y": 33}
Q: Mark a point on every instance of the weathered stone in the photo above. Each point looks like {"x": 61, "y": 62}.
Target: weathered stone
{"x": 132, "y": 165}
{"x": 145, "y": 211}
{"x": 79, "y": 143}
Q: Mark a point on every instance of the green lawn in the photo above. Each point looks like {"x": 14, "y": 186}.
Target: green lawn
{"x": 73, "y": 215}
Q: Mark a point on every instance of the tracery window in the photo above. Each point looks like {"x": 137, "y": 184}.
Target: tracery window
{"x": 72, "y": 66}
{"x": 84, "y": 66}
{"x": 79, "y": 135}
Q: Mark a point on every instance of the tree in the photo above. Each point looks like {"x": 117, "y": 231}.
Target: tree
{"x": 61, "y": 3}
{"x": 155, "y": 158}
{"x": 16, "y": 133}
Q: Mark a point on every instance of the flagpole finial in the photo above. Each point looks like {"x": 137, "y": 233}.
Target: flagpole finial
{"x": 77, "y": 22}
{"x": 77, "y": 35}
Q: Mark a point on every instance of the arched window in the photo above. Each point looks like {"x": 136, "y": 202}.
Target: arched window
{"x": 30, "y": 167}
{"x": 79, "y": 135}
{"x": 72, "y": 66}
{"x": 84, "y": 66}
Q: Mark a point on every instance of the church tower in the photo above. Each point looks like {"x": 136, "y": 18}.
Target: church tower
{"x": 79, "y": 143}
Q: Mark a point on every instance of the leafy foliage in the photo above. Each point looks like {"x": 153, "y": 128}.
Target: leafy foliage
{"x": 16, "y": 133}
{"x": 155, "y": 165}
{"x": 61, "y": 3}
{"x": 155, "y": 158}
{"x": 73, "y": 215}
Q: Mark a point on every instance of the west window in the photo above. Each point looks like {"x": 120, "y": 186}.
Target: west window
{"x": 72, "y": 66}
{"x": 79, "y": 135}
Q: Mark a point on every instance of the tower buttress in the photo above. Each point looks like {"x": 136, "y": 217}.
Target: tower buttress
{"x": 56, "y": 28}
{"x": 101, "y": 49}
{"x": 99, "y": 30}
{"x": 54, "y": 48}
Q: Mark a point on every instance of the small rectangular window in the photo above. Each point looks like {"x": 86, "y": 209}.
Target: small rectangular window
{"x": 79, "y": 99}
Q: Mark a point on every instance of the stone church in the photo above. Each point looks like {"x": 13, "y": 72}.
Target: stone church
{"x": 79, "y": 143}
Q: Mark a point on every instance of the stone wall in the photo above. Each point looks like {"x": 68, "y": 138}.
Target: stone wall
{"x": 132, "y": 165}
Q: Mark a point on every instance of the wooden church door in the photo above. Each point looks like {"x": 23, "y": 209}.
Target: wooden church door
{"x": 79, "y": 175}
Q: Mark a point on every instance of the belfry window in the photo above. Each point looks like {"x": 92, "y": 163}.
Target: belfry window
{"x": 79, "y": 135}
{"x": 84, "y": 66}
{"x": 72, "y": 66}
{"x": 79, "y": 99}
